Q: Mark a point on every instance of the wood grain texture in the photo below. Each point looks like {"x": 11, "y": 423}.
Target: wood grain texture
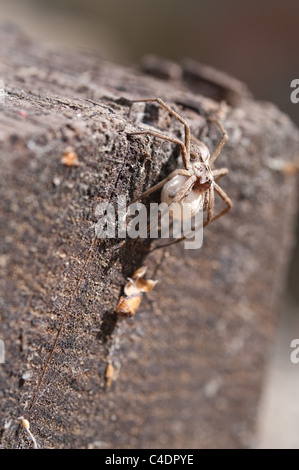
{"x": 191, "y": 363}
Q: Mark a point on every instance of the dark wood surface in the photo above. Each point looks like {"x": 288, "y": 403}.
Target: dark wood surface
{"x": 191, "y": 363}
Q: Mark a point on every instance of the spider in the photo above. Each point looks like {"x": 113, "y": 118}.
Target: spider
{"x": 195, "y": 185}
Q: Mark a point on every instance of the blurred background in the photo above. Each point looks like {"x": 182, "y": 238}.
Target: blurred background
{"x": 257, "y": 42}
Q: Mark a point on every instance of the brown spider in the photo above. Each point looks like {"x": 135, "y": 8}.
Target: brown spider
{"x": 196, "y": 184}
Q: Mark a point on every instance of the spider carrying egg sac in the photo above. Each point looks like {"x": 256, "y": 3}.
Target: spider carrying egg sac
{"x": 189, "y": 205}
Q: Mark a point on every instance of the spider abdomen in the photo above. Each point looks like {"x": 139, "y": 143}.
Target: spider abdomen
{"x": 187, "y": 207}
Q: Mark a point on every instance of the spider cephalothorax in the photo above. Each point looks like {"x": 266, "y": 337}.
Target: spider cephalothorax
{"x": 196, "y": 184}
{"x": 204, "y": 175}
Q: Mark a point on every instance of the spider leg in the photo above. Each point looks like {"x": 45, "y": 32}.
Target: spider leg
{"x": 222, "y": 142}
{"x": 206, "y": 201}
{"x": 225, "y": 198}
{"x": 211, "y": 201}
{"x": 165, "y": 245}
{"x": 179, "y": 118}
{"x": 169, "y": 139}
{"x": 217, "y": 174}
{"x": 185, "y": 189}
{"x": 178, "y": 240}
{"x": 179, "y": 171}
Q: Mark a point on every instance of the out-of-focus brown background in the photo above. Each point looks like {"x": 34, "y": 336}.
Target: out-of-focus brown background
{"x": 255, "y": 41}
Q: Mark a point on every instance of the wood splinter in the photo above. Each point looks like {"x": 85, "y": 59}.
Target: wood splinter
{"x": 129, "y": 303}
{"x": 69, "y": 157}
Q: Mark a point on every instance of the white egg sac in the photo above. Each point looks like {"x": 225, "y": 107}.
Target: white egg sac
{"x": 187, "y": 207}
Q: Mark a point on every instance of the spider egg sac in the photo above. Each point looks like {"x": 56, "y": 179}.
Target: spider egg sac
{"x": 187, "y": 207}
